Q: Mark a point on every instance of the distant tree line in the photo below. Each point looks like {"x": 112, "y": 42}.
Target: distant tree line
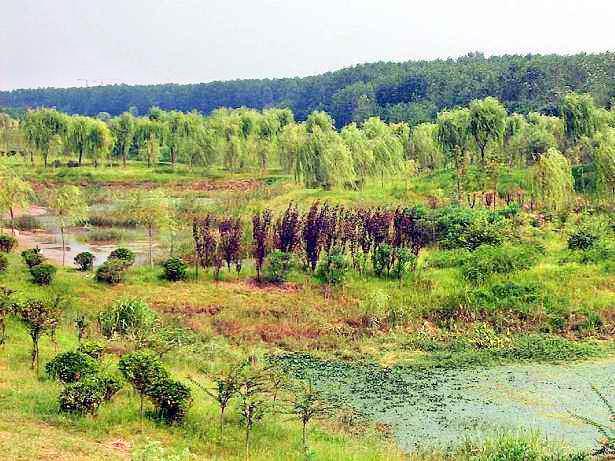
{"x": 412, "y": 92}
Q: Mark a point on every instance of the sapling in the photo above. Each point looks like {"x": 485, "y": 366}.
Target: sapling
{"x": 39, "y": 316}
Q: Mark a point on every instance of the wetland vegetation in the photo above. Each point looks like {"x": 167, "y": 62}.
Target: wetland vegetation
{"x": 244, "y": 285}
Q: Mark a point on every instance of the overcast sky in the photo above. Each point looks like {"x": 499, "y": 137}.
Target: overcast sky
{"x": 57, "y": 42}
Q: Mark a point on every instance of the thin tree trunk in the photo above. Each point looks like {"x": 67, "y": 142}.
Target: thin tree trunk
{"x": 11, "y": 212}
{"x": 63, "y": 246}
{"x": 149, "y": 232}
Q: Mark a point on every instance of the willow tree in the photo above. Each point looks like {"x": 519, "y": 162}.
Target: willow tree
{"x": 515, "y": 136}
{"x": 149, "y": 135}
{"x": 324, "y": 160}
{"x": 15, "y": 193}
{"x": 180, "y": 128}
{"x": 152, "y": 210}
{"x": 386, "y": 146}
{"x": 579, "y": 116}
{"x": 453, "y": 135}
{"x": 604, "y": 164}
{"x": 361, "y": 152}
{"x": 100, "y": 140}
{"x": 487, "y": 124}
{"x": 42, "y": 128}
{"x": 69, "y": 208}
{"x": 291, "y": 140}
{"x": 552, "y": 180}
{"x": 123, "y": 129}
{"x": 424, "y": 147}
{"x": 77, "y": 135}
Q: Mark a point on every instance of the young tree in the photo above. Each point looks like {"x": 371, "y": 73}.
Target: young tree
{"x": 225, "y": 388}
{"x": 15, "y": 193}
{"x": 261, "y": 223}
{"x": 306, "y": 403}
{"x": 151, "y": 209}
{"x": 6, "y": 307}
{"x": 39, "y": 316}
{"x": 142, "y": 369}
{"x": 70, "y": 208}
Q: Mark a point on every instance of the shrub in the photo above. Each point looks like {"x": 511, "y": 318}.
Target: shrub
{"x": 278, "y": 266}
{"x": 171, "y": 398}
{"x": 581, "y": 240}
{"x": 458, "y": 227}
{"x": 487, "y": 260}
{"x": 128, "y": 317}
{"x": 404, "y": 263}
{"x": 334, "y": 268}
{"x": 7, "y": 243}
{"x": 85, "y": 261}
{"x": 175, "y": 269}
{"x": 91, "y": 349}
{"x": 32, "y": 257}
{"x": 83, "y": 396}
{"x": 123, "y": 254}
{"x": 70, "y": 367}
{"x": 382, "y": 260}
{"x": 4, "y": 263}
{"x": 601, "y": 251}
{"x": 43, "y": 274}
{"x": 445, "y": 259}
{"x": 142, "y": 369}
{"x": 110, "y": 383}
{"x": 111, "y": 271}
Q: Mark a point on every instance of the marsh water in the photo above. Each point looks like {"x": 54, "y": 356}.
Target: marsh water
{"x": 444, "y": 407}
{"x": 49, "y": 239}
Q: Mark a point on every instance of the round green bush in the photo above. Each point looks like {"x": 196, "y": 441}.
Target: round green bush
{"x": 32, "y": 257}
{"x": 111, "y": 271}
{"x": 85, "y": 261}
{"x": 4, "y": 263}
{"x": 175, "y": 269}
{"x": 7, "y": 243}
{"x": 70, "y": 367}
{"x": 82, "y": 397}
{"x": 43, "y": 274}
{"x": 171, "y": 398}
{"x": 123, "y": 254}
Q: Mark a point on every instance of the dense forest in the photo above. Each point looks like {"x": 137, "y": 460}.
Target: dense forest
{"x": 413, "y": 91}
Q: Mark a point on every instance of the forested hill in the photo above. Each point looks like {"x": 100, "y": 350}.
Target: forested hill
{"x": 413, "y": 91}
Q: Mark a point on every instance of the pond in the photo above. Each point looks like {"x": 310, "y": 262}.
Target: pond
{"x": 444, "y": 407}
{"x": 48, "y": 238}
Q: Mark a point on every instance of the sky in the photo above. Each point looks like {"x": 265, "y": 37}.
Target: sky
{"x": 61, "y": 43}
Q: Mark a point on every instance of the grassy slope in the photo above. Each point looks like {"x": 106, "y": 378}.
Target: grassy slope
{"x": 236, "y": 315}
